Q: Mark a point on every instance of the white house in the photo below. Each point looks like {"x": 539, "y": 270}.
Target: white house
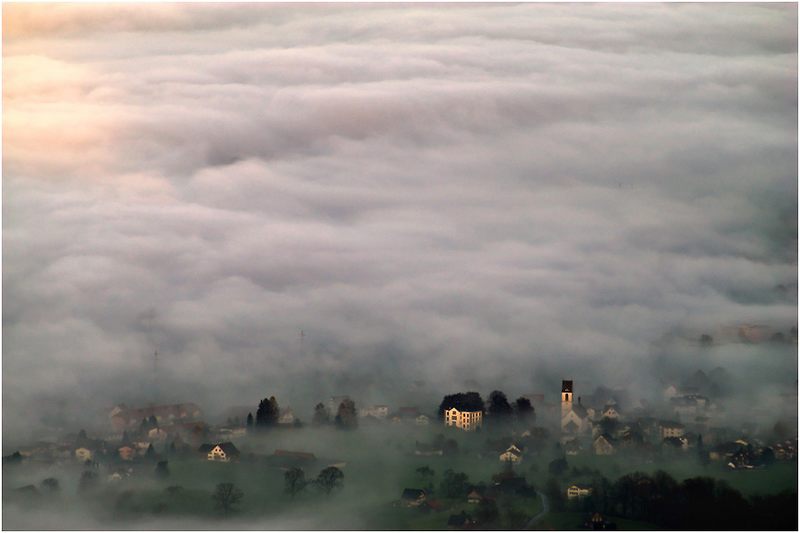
{"x": 83, "y": 454}
{"x": 603, "y": 445}
{"x": 511, "y": 455}
{"x": 286, "y": 417}
{"x": 578, "y": 491}
{"x": 575, "y": 420}
{"x": 224, "y": 451}
{"x": 610, "y": 411}
{"x": 375, "y": 411}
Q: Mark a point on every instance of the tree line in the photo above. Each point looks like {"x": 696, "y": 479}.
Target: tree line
{"x": 268, "y": 414}
{"x": 696, "y": 503}
{"x": 500, "y": 410}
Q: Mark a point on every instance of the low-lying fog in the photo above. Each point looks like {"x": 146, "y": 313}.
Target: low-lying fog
{"x": 394, "y": 203}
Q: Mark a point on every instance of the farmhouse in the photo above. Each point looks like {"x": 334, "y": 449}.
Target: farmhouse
{"x": 224, "y": 451}
{"x": 287, "y": 417}
{"x": 126, "y": 453}
{"x": 610, "y": 411}
{"x": 511, "y": 455}
{"x": 578, "y": 491}
{"x": 413, "y": 497}
{"x": 603, "y": 445}
{"x": 671, "y": 429}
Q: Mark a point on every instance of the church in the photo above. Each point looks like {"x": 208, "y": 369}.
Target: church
{"x": 575, "y": 418}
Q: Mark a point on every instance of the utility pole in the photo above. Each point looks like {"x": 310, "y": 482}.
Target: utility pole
{"x": 155, "y": 376}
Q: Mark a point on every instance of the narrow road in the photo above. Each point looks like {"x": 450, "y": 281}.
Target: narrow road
{"x": 545, "y": 509}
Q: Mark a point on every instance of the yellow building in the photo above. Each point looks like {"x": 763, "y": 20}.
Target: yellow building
{"x": 466, "y": 420}
{"x": 671, "y": 429}
{"x": 578, "y": 491}
{"x": 83, "y": 454}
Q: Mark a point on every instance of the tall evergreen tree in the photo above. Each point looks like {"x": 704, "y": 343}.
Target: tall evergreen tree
{"x": 346, "y": 416}
{"x": 329, "y": 479}
{"x": 524, "y": 409}
{"x": 150, "y": 454}
{"x": 162, "y": 469}
{"x": 321, "y": 415}
{"x": 267, "y": 413}
{"x": 294, "y": 480}
{"x": 499, "y": 406}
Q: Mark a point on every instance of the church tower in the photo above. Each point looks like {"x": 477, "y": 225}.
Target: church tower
{"x": 566, "y": 397}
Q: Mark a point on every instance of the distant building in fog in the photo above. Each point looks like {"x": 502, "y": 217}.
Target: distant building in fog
{"x": 574, "y": 416}
{"x": 124, "y": 417}
{"x": 466, "y": 420}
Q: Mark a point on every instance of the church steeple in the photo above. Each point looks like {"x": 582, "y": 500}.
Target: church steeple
{"x": 566, "y": 396}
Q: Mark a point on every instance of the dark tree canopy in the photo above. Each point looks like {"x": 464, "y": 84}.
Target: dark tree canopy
{"x": 321, "y": 415}
{"x": 553, "y": 492}
{"x": 249, "y": 420}
{"x": 329, "y": 479}
{"x": 162, "y": 469}
{"x": 699, "y": 503}
{"x": 463, "y": 401}
{"x": 558, "y": 466}
{"x": 226, "y": 497}
{"x": 498, "y": 405}
{"x": 487, "y": 512}
{"x": 51, "y": 484}
{"x": 609, "y": 425}
{"x": 267, "y": 413}
{"x": 524, "y": 409}
{"x": 425, "y": 471}
{"x": 448, "y": 446}
{"x": 294, "y": 480}
{"x": 454, "y": 484}
{"x": 150, "y": 454}
{"x": 346, "y": 417}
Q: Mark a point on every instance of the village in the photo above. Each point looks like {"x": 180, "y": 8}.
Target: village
{"x": 539, "y": 461}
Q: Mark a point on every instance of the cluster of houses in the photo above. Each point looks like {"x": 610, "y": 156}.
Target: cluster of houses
{"x": 505, "y": 482}
{"x": 607, "y": 428}
{"x": 603, "y": 424}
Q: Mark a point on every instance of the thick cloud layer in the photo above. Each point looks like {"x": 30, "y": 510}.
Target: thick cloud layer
{"x": 428, "y": 193}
